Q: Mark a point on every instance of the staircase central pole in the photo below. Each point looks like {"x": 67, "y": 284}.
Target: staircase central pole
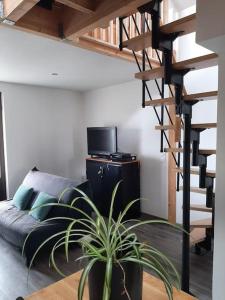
{"x": 186, "y": 203}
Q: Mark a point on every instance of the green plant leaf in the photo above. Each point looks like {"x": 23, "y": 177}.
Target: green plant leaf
{"x": 111, "y": 242}
{"x": 84, "y": 277}
{"x": 112, "y": 203}
{"x": 154, "y": 251}
{"x": 67, "y": 237}
{"x": 146, "y": 263}
{"x": 108, "y": 278}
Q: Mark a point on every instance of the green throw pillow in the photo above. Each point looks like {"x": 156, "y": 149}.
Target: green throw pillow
{"x": 22, "y": 197}
{"x": 40, "y": 213}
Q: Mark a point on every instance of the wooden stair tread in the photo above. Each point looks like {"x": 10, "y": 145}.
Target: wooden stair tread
{"x": 164, "y": 127}
{"x": 181, "y": 150}
{"x": 207, "y": 151}
{"x": 204, "y": 126}
{"x": 195, "y": 190}
{"x": 150, "y": 74}
{"x": 209, "y": 173}
{"x": 201, "y": 96}
{"x": 185, "y": 25}
{"x": 198, "y": 207}
{"x": 194, "y": 126}
{"x": 192, "y": 97}
{"x": 197, "y": 63}
{"x": 197, "y": 235}
{"x": 159, "y": 102}
{"x": 204, "y": 223}
{"x": 139, "y": 42}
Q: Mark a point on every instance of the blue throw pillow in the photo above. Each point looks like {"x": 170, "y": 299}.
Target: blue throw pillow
{"x": 40, "y": 213}
{"x": 22, "y": 197}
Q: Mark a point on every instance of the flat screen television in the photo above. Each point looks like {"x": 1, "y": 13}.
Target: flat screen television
{"x": 102, "y": 141}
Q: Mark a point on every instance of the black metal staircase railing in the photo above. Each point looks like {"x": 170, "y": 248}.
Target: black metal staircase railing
{"x": 164, "y": 43}
{"x": 164, "y": 107}
{"x": 145, "y": 87}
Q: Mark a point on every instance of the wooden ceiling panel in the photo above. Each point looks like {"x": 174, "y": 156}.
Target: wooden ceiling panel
{"x": 16, "y": 9}
{"x": 42, "y": 21}
{"x": 85, "y": 6}
{"x": 70, "y": 20}
{"x": 107, "y": 10}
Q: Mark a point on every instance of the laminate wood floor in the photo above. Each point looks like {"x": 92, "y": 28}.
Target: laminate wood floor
{"x": 14, "y": 280}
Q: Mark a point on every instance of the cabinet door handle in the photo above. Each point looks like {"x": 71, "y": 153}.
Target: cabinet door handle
{"x": 101, "y": 171}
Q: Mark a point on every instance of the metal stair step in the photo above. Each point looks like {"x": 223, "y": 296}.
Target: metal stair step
{"x": 197, "y": 63}
{"x": 181, "y": 150}
{"x": 209, "y": 173}
{"x": 192, "y": 97}
{"x": 185, "y": 25}
{"x": 198, "y": 207}
{"x": 204, "y": 223}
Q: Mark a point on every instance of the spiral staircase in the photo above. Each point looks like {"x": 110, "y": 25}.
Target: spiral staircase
{"x": 169, "y": 80}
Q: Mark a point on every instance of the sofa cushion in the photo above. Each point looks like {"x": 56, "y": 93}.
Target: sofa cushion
{"x": 38, "y": 210}
{"x": 22, "y": 197}
{"x": 67, "y": 197}
{"x": 15, "y": 224}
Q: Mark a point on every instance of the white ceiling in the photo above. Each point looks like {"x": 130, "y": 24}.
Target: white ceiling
{"x": 30, "y": 59}
{"x": 183, "y": 4}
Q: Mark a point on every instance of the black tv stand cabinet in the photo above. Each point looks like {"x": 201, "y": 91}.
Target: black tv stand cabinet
{"x": 104, "y": 174}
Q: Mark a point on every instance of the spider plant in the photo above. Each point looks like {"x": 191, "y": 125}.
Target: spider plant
{"x": 110, "y": 241}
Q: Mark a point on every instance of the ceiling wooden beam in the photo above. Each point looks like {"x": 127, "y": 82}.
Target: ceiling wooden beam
{"x": 85, "y": 6}
{"x": 41, "y": 21}
{"x": 77, "y": 24}
{"x": 48, "y": 23}
{"x": 16, "y": 9}
{"x": 84, "y": 42}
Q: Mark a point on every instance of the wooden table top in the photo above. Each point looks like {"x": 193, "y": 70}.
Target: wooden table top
{"x": 66, "y": 289}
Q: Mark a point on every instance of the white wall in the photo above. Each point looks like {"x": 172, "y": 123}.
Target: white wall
{"x": 120, "y": 105}
{"x": 46, "y": 128}
{"x": 219, "y": 237}
{"x": 213, "y": 37}
{"x": 210, "y": 24}
{"x": 42, "y": 128}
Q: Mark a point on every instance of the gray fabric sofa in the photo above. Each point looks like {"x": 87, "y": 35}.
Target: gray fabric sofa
{"x": 16, "y": 224}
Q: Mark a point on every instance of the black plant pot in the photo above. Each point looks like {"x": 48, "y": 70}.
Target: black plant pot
{"x": 133, "y": 281}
